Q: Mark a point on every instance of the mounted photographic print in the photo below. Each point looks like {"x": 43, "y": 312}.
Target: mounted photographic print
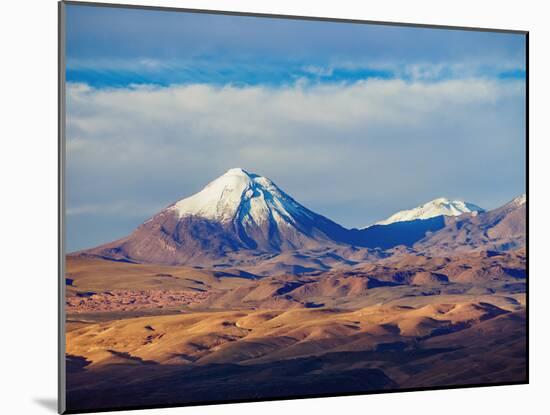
{"x": 259, "y": 207}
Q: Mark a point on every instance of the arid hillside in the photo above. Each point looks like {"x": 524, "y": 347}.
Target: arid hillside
{"x": 182, "y": 334}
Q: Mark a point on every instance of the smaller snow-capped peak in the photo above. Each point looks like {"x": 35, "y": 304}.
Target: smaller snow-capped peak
{"x": 520, "y": 200}
{"x": 239, "y": 193}
{"x": 437, "y": 207}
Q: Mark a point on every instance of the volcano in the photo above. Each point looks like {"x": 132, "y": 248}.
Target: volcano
{"x": 237, "y": 212}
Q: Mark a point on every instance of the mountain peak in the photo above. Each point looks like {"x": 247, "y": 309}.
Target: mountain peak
{"x": 436, "y": 207}
{"x": 244, "y": 197}
{"x": 221, "y": 198}
{"x": 238, "y": 210}
{"x": 237, "y": 171}
{"x": 520, "y": 200}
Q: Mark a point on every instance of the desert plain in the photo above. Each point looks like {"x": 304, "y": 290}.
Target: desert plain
{"x": 142, "y": 334}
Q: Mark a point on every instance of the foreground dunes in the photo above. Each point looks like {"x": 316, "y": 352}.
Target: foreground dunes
{"x": 152, "y": 335}
{"x": 261, "y": 336}
{"x": 189, "y": 357}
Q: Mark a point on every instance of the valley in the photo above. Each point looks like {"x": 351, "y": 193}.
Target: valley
{"x": 400, "y": 322}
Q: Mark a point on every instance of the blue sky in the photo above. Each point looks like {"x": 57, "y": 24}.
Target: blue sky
{"x": 117, "y": 47}
{"x": 355, "y": 121}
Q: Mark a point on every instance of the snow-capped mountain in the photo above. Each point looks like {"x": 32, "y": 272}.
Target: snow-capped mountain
{"x": 519, "y": 201}
{"x": 239, "y": 211}
{"x": 437, "y": 207}
{"x": 239, "y": 195}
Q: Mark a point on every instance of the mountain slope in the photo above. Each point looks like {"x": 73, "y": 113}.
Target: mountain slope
{"x": 500, "y": 229}
{"x": 437, "y": 207}
{"x": 398, "y": 233}
{"x": 239, "y": 211}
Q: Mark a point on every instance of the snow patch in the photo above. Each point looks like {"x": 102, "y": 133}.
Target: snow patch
{"x": 520, "y": 200}
{"x": 254, "y": 198}
{"x": 436, "y": 207}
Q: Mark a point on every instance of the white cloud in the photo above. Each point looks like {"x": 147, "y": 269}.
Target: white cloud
{"x": 319, "y": 70}
{"x": 355, "y": 152}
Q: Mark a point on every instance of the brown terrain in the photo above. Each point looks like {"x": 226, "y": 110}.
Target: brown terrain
{"x": 177, "y": 334}
{"x": 132, "y": 300}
